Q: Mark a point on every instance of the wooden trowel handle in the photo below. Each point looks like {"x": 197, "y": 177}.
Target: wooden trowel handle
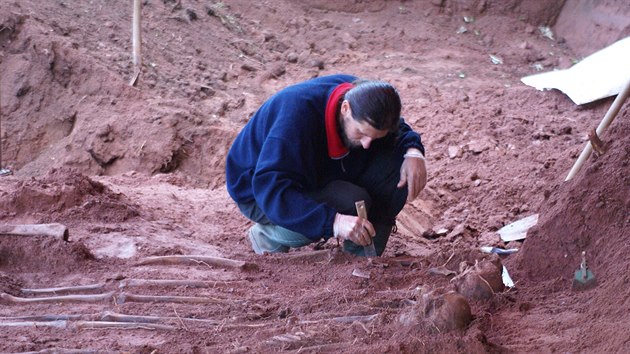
{"x": 55, "y": 230}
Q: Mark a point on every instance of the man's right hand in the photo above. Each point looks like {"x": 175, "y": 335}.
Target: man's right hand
{"x": 353, "y": 228}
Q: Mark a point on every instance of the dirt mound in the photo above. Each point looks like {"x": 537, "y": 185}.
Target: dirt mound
{"x": 589, "y": 213}
{"x": 75, "y": 110}
{"x": 64, "y": 195}
{"x": 43, "y": 255}
{"x": 8, "y": 284}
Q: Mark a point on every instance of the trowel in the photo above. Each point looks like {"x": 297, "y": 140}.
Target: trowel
{"x": 369, "y": 250}
{"x": 584, "y": 278}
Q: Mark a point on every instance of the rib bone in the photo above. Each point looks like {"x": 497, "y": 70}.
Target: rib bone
{"x": 192, "y": 259}
{"x": 131, "y": 325}
{"x": 65, "y": 298}
{"x": 117, "y": 317}
{"x": 65, "y": 289}
{"x": 123, "y": 297}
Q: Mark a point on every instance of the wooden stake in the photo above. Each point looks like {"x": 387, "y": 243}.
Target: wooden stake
{"x": 192, "y": 259}
{"x": 608, "y": 118}
{"x": 136, "y": 42}
{"x": 1, "y": 169}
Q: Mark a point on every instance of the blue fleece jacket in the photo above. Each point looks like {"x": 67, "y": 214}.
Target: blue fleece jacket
{"x": 281, "y": 154}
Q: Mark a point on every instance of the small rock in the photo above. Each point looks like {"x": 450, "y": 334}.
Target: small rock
{"x": 248, "y": 67}
{"x": 277, "y": 71}
{"x": 489, "y": 238}
{"x": 292, "y": 57}
{"x": 191, "y": 15}
{"x": 454, "y": 151}
{"x": 481, "y": 145}
{"x": 566, "y": 130}
{"x": 441, "y": 231}
{"x": 457, "y": 231}
{"x": 514, "y": 244}
{"x": 430, "y": 234}
{"x": 317, "y": 63}
{"x": 267, "y": 36}
{"x": 530, "y": 29}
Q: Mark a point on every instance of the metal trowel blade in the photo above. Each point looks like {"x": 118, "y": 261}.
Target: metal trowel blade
{"x": 584, "y": 279}
{"x": 369, "y": 250}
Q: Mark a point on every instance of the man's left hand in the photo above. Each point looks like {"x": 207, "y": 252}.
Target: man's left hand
{"x": 413, "y": 174}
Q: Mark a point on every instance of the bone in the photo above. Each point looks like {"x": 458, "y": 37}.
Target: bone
{"x": 167, "y": 283}
{"x": 127, "y": 325}
{"x": 125, "y": 297}
{"x": 87, "y": 325}
{"x": 44, "y": 318}
{"x": 63, "y": 351}
{"x": 310, "y": 256}
{"x": 192, "y": 259}
{"x": 65, "y": 289}
{"x": 65, "y": 298}
{"x": 36, "y": 324}
{"x": 352, "y": 319}
{"x": 327, "y": 348}
{"x": 58, "y": 231}
{"x": 117, "y": 317}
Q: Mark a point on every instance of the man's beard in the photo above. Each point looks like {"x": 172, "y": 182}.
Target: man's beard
{"x": 344, "y": 137}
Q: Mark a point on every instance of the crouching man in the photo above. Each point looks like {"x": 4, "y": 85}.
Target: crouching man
{"x": 315, "y": 148}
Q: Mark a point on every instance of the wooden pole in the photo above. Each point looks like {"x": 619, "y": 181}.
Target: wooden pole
{"x": 136, "y": 41}
{"x": 1, "y": 130}
{"x": 608, "y": 118}
{"x": 1, "y": 169}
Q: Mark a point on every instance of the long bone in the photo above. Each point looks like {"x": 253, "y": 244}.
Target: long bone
{"x": 58, "y": 231}
{"x": 126, "y": 297}
{"x": 196, "y": 260}
{"x": 65, "y": 298}
{"x": 63, "y": 289}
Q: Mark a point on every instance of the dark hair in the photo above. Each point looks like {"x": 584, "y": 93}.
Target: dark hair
{"x": 375, "y": 102}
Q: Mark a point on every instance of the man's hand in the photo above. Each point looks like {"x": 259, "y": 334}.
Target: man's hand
{"x": 413, "y": 173}
{"x": 353, "y": 228}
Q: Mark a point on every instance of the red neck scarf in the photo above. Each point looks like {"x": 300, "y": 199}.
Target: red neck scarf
{"x": 336, "y": 148}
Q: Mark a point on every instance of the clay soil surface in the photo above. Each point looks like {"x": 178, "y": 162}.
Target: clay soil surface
{"x": 138, "y": 172}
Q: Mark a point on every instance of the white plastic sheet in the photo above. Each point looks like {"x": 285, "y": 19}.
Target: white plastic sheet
{"x": 601, "y": 74}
